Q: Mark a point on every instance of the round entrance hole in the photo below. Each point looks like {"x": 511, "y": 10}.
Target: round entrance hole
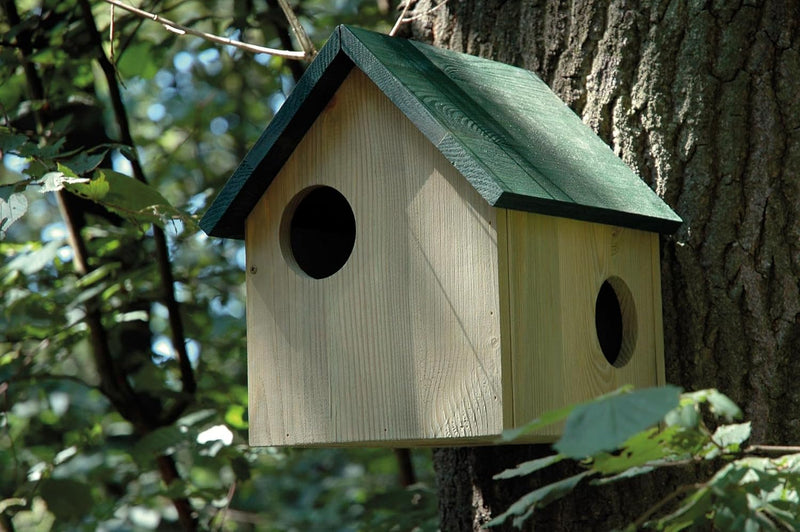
{"x": 615, "y": 321}
{"x": 318, "y": 231}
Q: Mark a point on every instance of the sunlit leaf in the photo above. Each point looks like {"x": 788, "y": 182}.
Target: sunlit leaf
{"x": 603, "y": 425}
{"x": 526, "y": 468}
{"x": 730, "y": 437}
{"x": 548, "y": 418}
{"x": 11, "y": 210}
{"x": 95, "y": 190}
{"x": 644, "y": 447}
{"x": 130, "y": 198}
{"x": 33, "y": 261}
{"x": 55, "y": 181}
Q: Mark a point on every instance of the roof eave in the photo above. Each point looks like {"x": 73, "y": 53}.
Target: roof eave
{"x": 227, "y": 214}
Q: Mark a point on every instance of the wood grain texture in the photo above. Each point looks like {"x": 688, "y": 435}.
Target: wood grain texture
{"x": 401, "y": 344}
{"x": 556, "y": 268}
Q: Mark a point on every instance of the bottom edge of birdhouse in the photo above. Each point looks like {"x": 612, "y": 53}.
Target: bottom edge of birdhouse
{"x": 474, "y": 441}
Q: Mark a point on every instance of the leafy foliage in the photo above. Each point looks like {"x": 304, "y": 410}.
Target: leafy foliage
{"x": 122, "y": 357}
{"x": 632, "y": 433}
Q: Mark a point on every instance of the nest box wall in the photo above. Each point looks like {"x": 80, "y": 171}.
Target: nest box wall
{"x": 423, "y": 278}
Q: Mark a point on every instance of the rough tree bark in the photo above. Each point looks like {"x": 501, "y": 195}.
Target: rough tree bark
{"x": 701, "y": 99}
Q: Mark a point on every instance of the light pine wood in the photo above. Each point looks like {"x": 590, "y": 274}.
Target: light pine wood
{"x": 403, "y": 343}
{"x": 555, "y": 269}
{"x": 451, "y": 320}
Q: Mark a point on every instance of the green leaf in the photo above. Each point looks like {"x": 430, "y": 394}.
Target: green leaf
{"x": 548, "y": 418}
{"x": 523, "y": 508}
{"x": 85, "y": 162}
{"x": 526, "y": 468}
{"x": 67, "y": 499}
{"x": 722, "y": 406}
{"x": 606, "y": 423}
{"x": 11, "y": 210}
{"x": 11, "y": 142}
{"x": 130, "y": 198}
{"x": 731, "y": 437}
{"x": 719, "y": 404}
{"x": 138, "y": 61}
{"x": 161, "y": 441}
{"x": 627, "y": 473}
{"x": 685, "y": 415}
{"x": 33, "y": 261}
{"x": 95, "y": 190}
{"x": 646, "y": 446}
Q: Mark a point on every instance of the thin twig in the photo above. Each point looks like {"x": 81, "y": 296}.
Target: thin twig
{"x": 179, "y": 29}
{"x": 400, "y": 19}
{"x": 781, "y": 449}
{"x": 663, "y": 502}
{"x": 111, "y": 35}
{"x": 231, "y": 492}
{"x": 403, "y": 20}
{"x": 299, "y": 31}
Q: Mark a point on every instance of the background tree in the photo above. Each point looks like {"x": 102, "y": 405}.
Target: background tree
{"x": 122, "y": 361}
{"x": 700, "y": 98}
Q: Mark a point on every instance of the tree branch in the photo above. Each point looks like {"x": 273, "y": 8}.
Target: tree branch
{"x": 405, "y": 467}
{"x": 403, "y": 20}
{"x": 282, "y": 29}
{"x": 180, "y": 30}
{"x": 769, "y": 449}
{"x": 400, "y": 19}
{"x": 169, "y": 473}
{"x": 297, "y": 28}
{"x": 188, "y": 382}
{"x": 663, "y": 502}
{"x": 113, "y": 385}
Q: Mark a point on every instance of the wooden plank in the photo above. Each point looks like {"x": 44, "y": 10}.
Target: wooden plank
{"x": 506, "y": 318}
{"x": 557, "y": 267}
{"x": 658, "y": 322}
{"x": 534, "y": 303}
{"x": 403, "y": 343}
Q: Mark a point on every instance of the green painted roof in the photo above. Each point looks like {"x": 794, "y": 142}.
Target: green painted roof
{"x": 510, "y": 136}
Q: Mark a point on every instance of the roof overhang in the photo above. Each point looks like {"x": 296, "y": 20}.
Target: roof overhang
{"x": 513, "y": 139}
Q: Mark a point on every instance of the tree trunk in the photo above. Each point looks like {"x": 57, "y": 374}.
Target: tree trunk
{"x": 701, "y": 99}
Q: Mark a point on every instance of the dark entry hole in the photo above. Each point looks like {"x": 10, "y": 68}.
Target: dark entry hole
{"x": 615, "y": 321}
{"x": 321, "y": 231}
{"x": 608, "y": 321}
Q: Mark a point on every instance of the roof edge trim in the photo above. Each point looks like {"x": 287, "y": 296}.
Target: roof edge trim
{"x": 227, "y": 214}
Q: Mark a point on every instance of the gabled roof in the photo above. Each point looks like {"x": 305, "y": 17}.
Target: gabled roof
{"x": 515, "y": 141}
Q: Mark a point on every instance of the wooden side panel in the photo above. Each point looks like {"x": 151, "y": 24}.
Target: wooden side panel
{"x": 557, "y": 267}
{"x": 402, "y": 343}
{"x": 534, "y": 303}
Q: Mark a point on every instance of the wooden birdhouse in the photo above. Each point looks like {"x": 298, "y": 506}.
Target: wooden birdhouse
{"x": 437, "y": 249}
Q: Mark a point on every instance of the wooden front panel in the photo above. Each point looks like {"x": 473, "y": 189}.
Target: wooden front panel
{"x": 556, "y": 267}
{"x": 402, "y": 343}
